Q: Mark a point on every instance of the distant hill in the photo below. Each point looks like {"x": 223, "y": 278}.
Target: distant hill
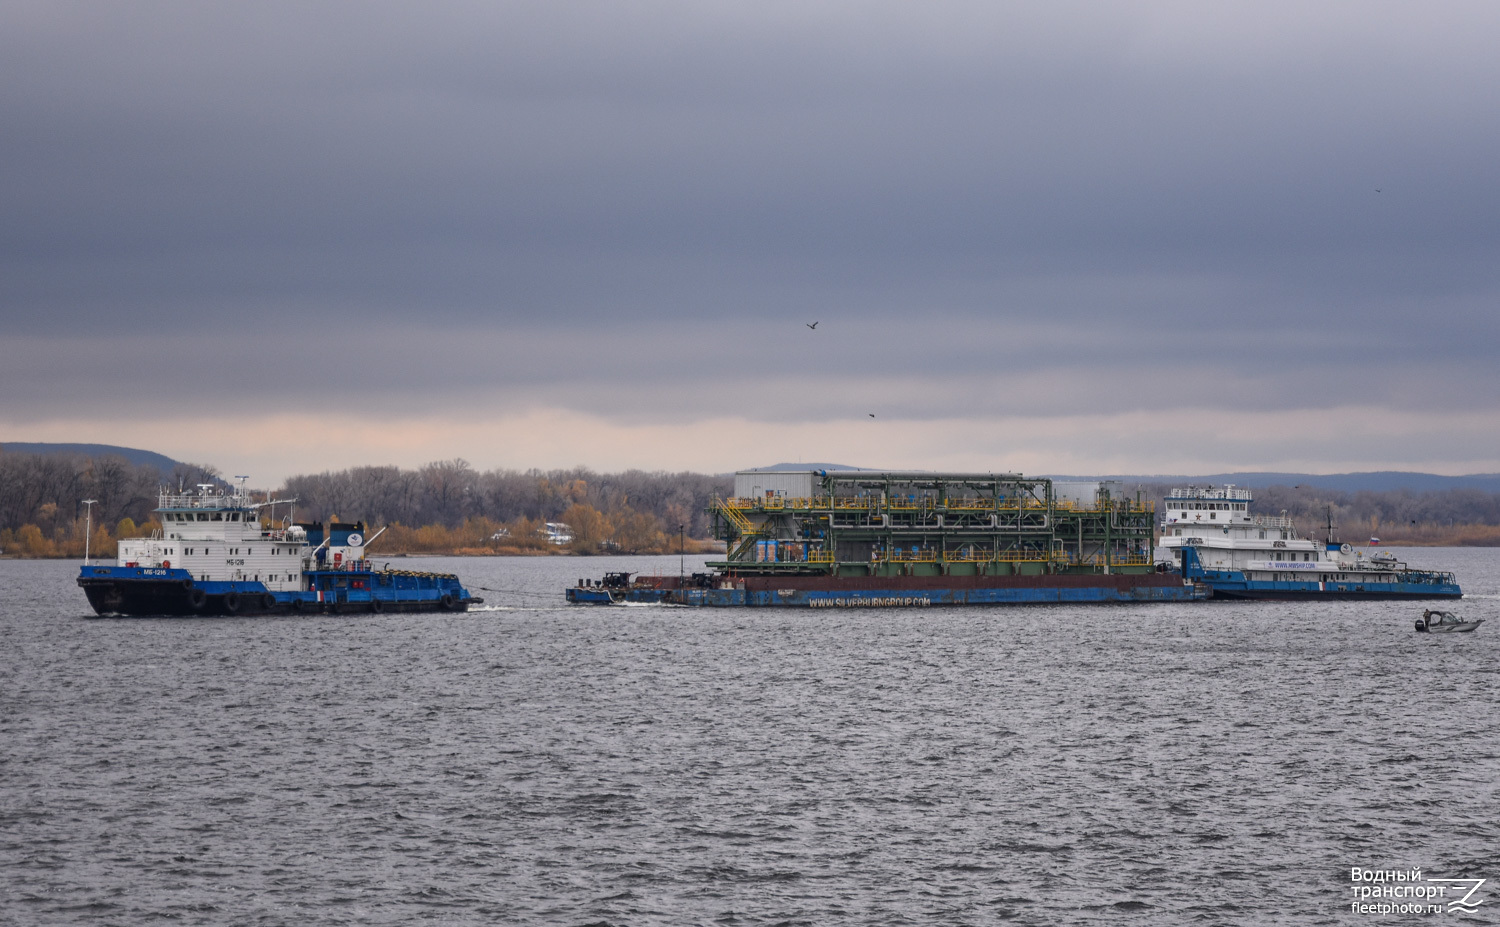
{"x": 1377, "y": 481}
{"x": 805, "y": 466}
{"x": 135, "y": 456}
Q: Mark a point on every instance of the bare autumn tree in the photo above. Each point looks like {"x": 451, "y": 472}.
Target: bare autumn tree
{"x": 47, "y": 489}
{"x": 590, "y": 527}
{"x": 637, "y": 532}
{"x": 50, "y": 487}
{"x": 448, "y": 488}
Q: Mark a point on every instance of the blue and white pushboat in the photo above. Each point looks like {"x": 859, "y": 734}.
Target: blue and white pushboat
{"x": 216, "y": 555}
{"x": 1216, "y": 541}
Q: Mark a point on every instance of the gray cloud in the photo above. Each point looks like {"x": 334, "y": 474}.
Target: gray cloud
{"x": 975, "y": 198}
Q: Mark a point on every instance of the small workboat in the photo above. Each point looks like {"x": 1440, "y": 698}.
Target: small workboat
{"x": 1445, "y": 622}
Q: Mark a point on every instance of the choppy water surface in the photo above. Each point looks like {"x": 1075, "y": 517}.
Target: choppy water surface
{"x": 535, "y": 764}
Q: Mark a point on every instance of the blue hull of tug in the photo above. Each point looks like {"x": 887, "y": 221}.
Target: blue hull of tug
{"x": 141, "y": 591}
{"x": 1232, "y": 584}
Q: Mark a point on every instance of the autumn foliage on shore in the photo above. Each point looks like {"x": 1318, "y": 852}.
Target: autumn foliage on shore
{"x": 441, "y": 508}
{"x": 448, "y": 507}
{"x": 625, "y": 531}
{"x": 65, "y": 538}
{"x": 594, "y": 532}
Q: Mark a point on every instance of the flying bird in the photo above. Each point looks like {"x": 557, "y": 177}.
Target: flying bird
{"x": 871, "y": 414}
{"x": 812, "y": 325}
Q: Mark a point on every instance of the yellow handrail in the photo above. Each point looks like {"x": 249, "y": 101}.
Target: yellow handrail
{"x": 783, "y": 503}
{"x": 1120, "y": 560}
{"x": 1006, "y": 556}
{"x": 732, "y": 513}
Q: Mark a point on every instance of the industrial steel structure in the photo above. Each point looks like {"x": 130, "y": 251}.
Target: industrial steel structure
{"x": 865, "y": 523}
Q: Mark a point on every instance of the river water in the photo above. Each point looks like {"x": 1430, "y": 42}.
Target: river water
{"x": 531, "y": 763}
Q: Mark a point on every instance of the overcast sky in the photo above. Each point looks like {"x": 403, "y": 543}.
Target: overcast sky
{"x": 1156, "y": 237}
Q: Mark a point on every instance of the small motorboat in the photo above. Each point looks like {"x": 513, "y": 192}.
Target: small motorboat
{"x": 1434, "y": 622}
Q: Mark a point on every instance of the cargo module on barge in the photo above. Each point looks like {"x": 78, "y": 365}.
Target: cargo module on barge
{"x": 859, "y": 538}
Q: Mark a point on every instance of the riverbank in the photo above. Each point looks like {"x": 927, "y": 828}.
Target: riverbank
{"x": 693, "y": 547}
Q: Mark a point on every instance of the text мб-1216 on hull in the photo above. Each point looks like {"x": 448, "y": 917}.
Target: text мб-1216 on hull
{"x": 215, "y": 556}
{"x": 860, "y": 538}
{"x": 1241, "y": 556}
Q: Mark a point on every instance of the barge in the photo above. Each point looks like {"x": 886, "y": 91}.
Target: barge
{"x": 865, "y": 538}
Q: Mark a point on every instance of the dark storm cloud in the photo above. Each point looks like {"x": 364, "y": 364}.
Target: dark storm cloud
{"x": 954, "y": 188}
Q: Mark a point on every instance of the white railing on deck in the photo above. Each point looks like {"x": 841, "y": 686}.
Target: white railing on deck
{"x": 193, "y": 500}
{"x": 1210, "y": 492}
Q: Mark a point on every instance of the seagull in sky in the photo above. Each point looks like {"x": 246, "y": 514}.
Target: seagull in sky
{"x": 871, "y": 414}
{"x": 812, "y": 325}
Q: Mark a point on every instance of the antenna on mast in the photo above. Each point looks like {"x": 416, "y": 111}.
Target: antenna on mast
{"x": 88, "y": 530}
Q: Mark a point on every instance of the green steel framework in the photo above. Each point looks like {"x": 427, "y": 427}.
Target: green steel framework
{"x": 867, "y": 523}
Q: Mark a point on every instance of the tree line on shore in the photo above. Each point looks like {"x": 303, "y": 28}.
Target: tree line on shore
{"x": 445, "y": 506}
{"x": 449, "y": 507}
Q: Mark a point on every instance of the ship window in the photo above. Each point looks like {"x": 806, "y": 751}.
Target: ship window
{"x": 234, "y": 516}
{"x": 203, "y": 516}
{"x": 1213, "y": 514}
